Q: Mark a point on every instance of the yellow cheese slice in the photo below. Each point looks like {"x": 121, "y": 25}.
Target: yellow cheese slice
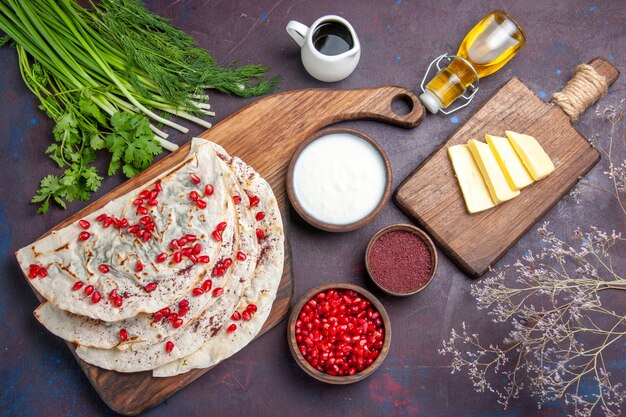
{"x": 532, "y": 154}
{"x": 473, "y": 187}
{"x": 510, "y": 163}
{"x": 497, "y": 184}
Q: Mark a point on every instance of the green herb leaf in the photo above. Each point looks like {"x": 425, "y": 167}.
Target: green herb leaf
{"x": 89, "y": 108}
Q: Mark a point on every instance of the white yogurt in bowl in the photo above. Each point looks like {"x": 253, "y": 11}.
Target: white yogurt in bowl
{"x": 339, "y": 178}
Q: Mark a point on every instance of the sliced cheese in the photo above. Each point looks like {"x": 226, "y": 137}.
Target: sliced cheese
{"x": 532, "y": 154}
{"x": 473, "y": 187}
{"x": 510, "y": 163}
{"x": 497, "y": 184}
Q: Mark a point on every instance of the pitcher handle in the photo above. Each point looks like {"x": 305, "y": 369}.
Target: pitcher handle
{"x": 297, "y": 31}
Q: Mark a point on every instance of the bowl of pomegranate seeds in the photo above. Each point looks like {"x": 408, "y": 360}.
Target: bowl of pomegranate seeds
{"x": 401, "y": 259}
{"x": 339, "y": 333}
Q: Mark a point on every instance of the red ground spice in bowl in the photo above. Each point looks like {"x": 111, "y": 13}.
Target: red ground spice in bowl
{"x": 401, "y": 259}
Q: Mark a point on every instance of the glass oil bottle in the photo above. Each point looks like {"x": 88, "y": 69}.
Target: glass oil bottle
{"x": 486, "y": 48}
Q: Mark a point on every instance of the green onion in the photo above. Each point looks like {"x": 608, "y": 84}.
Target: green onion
{"x": 110, "y": 77}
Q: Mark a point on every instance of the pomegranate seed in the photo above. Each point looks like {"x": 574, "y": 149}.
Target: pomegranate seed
{"x": 165, "y": 311}
{"x": 77, "y": 286}
{"x": 204, "y": 259}
{"x": 103, "y": 268}
{"x": 182, "y": 241}
{"x": 177, "y": 257}
{"x": 259, "y": 234}
{"x": 208, "y": 190}
{"x": 337, "y": 334}
{"x": 101, "y": 217}
{"x": 254, "y": 200}
{"x": 117, "y": 302}
{"x": 236, "y": 199}
{"x": 84, "y": 236}
{"x": 84, "y": 224}
{"x": 43, "y": 272}
{"x": 33, "y": 271}
{"x": 145, "y": 194}
{"x": 107, "y": 222}
{"x": 139, "y": 266}
{"x": 177, "y": 323}
{"x": 251, "y": 308}
{"x": 142, "y": 210}
{"x": 133, "y": 229}
{"x": 193, "y": 196}
{"x": 117, "y": 223}
{"x": 197, "y": 248}
{"x": 138, "y": 202}
{"x": 88, "y": 289}
{"x": 161, "y": 257}
{"x": 149, "y": 227}
{"x": 194, "y": 178}
{"x": 186, "y": 251}
{"x": 190, "y": 237}
{"x": 241, "y": 256}
{"x": 221, "y": 270}
{"x": 123, "y": 334}
{"x": 174, "y": 244}
{"x": 124, "y": 223}
{"x": 193, "y": 258}
{"x": 197, "y": 291}
{"x": 152, "y": 203}
{"x": 113, "y": 294}
{"x": 260, "y": 216}
{"x": 221, "y": 226}
{"x": 183, "y": 310}
{"x": 145, "y": 220}
{"x": 169, "y": 346}
{"x": 231, "y": 328}
{"x": 246, "y": 315}
{"x": 95, "y": 297}
{"x": 236, "y": 316}
{"x": 153, "y": 195}
{"x": 227, "y": 262}
{"x": 206, "y": 285}
{"x": 157, "y": 186}
{"x": 201, "y": 204}
{"x": 150, "y": 287}
{"x": 147, "y": 236}
{"x": 183, "y": 303}
{"x": 217, "y": 235}
{"x": 172, "y": 317}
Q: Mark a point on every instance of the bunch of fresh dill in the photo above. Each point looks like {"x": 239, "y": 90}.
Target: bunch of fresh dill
{"x": 102, "y": 74}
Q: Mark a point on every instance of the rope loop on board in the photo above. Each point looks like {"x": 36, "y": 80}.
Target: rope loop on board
{"x": 585, "y": 88}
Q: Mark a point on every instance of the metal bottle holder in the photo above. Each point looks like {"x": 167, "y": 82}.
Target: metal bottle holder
{"x": 473, "y": 87}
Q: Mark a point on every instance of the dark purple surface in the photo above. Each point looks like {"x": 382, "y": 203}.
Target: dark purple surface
{"x": 399, "y": 38}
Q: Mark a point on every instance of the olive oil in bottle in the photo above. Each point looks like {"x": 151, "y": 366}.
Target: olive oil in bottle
{"x": 486, "y": 48}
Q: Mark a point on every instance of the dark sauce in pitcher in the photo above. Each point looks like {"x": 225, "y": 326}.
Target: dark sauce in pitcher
{"x": 332, "y": 38}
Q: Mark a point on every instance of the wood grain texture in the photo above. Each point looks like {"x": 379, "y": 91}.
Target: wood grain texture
{"x": 431, "y": 194}
{"x": 264, "y": 134}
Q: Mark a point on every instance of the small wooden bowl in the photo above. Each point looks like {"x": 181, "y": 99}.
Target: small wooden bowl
{"x": 337, "y": 227}
{"x": 417, "y": 232}
{"x": 321, "y": 376}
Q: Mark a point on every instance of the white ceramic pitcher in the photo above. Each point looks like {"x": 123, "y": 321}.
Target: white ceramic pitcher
{"x": 327, "y": 68}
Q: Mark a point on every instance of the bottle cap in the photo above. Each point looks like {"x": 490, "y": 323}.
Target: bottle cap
{"x": 431, "y": 102}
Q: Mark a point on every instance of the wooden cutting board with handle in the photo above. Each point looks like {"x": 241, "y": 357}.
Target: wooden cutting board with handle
{"x": 264, "y": 134}
{"x": 431, "y": 194}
